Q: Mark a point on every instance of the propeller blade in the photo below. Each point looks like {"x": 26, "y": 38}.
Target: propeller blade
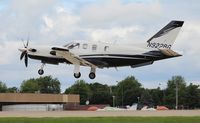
{"x": 27, "y": 43}
{"x": 26, "y": 60}
{"x": 22, "y": 55}
{"x": 23, "y": 42}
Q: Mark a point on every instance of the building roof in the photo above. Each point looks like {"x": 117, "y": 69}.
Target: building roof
{"x": 38, "y": 98}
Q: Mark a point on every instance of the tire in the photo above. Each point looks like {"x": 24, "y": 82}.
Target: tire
{"x": 77, "y": 75}
{"x": 40, "y": 72}
{"x": 92, "y": 75}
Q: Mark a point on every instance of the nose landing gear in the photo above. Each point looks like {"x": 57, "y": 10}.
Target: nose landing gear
{"x": 41, "y": 71}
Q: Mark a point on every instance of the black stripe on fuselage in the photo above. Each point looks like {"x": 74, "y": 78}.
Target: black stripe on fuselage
{"x": 151, "y": 55}
{"x": 104, "y": 60}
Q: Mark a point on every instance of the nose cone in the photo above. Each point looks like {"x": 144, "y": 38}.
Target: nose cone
{"x": 22, "y": 49}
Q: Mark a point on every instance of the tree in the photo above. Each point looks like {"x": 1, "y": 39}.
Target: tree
{"x": 192, "y": 96}
{"x": 29, "y": 86}
{"x": 146, "y": 98}
{"x": 48, "y": 85}
{"x": 101, "y": 94}
{"x": 82, "y": 88}
{"x": 43, "y": 85}
{"x": 3, "y": 87}
{"x": 158, "y": 96}
{"x": 128, "y": 91}
{"x": 12, "y": 90}
{"x": 171, "y": 91}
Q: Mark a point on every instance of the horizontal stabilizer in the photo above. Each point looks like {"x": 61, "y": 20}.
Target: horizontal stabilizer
{"x": 169, "y": 52}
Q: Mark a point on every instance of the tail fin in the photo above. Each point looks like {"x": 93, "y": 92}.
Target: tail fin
{"x": 166, "y": 36}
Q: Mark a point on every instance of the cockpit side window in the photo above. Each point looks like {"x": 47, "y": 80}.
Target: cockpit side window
{"x": 85, "y": 46}
{"x": 74, "y": 45}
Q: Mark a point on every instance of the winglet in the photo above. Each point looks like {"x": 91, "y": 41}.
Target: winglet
{"x": 59, "y": 49}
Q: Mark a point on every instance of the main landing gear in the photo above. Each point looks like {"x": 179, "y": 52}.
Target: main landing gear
{"x": 92, "y": 74}
{"x": 77, "y": 73}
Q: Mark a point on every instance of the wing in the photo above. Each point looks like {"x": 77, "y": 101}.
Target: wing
{"x": 65, "y": 53}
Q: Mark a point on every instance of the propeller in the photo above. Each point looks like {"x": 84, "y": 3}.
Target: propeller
{"x": 24, "y": 53}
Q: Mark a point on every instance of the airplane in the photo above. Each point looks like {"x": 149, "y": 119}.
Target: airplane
{"x": 106, "y": 55}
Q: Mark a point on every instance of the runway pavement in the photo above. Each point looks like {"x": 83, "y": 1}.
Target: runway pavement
{"x": 37, "y": 114}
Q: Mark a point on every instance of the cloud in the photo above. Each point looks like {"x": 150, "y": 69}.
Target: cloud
{"x": 188, "y": 43}
{"x": 22, "y": 18}
{"x": 115, "y": 13}
{"x": 114, "y": 34}
{"x": 55, "y": 22}
{"x": 8, "y": 51}
{"x": 60, "y": 24}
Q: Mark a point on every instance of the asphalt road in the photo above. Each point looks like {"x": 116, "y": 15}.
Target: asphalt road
{"x": 100, "y": 113}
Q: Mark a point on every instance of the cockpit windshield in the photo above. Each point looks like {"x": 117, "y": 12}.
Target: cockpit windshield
{"x": 72, "y": 45}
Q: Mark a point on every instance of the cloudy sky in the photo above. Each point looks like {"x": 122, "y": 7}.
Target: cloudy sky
{"x": 56, "y": 22}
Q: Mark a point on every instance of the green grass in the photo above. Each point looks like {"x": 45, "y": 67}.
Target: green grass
{"x": 104, "y": 120}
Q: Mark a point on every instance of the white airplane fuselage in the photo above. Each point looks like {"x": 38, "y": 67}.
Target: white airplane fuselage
{"x": 102, "y": 50}
{"x": 100, "y": 55}
{"x": 95, "y": 52}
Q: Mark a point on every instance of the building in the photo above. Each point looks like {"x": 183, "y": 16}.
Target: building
{"x": 31, "y": 101}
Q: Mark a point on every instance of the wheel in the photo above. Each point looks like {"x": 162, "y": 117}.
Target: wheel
{"x": 77, "y": 75}
{"x": 92, "y": 75}
{"x": 40, "y": 71}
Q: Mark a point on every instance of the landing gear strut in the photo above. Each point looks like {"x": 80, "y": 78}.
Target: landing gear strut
{"x": 41, "y": 71}
{"x": 92, "y": 74}
{"x": 77, "y": 73}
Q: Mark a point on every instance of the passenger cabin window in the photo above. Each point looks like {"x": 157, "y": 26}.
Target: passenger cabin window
{"x": 106, "y": 48}
{"x": 94, "y": 47}
{"x": 85, "y": 46}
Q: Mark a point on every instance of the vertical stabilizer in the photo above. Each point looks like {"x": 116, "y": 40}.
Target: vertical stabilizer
{"x": 166, "y": 36}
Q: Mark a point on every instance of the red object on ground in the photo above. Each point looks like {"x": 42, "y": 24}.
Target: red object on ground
{"x": 162, "y": 108}
{"x": 92, "y": 108}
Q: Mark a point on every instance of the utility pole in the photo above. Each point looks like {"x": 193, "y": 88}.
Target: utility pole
{"x": 113, "y": 101}
{"x": 122, "y": 95}
{"x": 163, "y": 90}
{"x": 138, "y": 102}
{"x": 176, "y": 95}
